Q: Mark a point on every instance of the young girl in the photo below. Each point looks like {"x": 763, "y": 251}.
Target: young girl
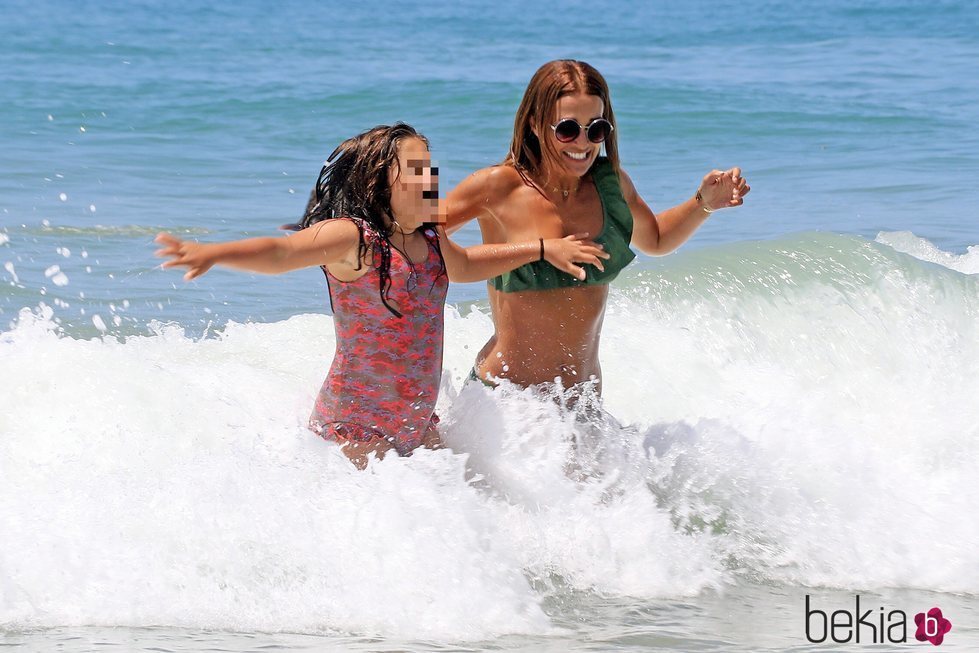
{"x": 373, "y": 225}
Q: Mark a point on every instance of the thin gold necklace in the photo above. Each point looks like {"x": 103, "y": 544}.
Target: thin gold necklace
{"x": 567, "y": 192}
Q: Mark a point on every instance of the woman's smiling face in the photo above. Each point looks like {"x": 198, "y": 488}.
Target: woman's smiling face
{"x": 575, "y": 157}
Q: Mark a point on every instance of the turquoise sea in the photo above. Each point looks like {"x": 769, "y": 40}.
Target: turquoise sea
{"x": 796, "y": 387}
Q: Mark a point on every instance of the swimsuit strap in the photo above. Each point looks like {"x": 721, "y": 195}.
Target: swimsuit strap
{"x": 369, "y": 239}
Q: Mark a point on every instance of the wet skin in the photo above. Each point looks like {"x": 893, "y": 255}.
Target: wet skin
{"x": 540, "y": 335}
{"x": 543, "y": 335}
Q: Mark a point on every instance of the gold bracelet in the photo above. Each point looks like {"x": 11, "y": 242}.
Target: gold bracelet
{"x": 703, "y": 207}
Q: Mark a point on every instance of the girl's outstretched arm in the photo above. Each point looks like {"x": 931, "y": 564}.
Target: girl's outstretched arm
{"x": 325, "y": 243}
{"x": 484, "y": 261}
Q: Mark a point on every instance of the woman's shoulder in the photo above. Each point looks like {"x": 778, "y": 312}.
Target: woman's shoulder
{"x": 493, "y": 181}
{"x": 482, "y": 194}
{"x": 503, "y": 174}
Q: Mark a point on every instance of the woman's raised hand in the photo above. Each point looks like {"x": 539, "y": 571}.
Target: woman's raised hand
{"x": 563, "y": 253}
{"x": 722, "y": 189}
{"x": 183, "y": 253}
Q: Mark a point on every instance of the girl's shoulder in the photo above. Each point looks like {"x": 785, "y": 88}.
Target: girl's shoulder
{"x": 368, "y": 233}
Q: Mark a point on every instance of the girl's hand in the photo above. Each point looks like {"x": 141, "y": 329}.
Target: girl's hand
{"x": 722, "y": 189}
{"x": 182, "y": 253}
{"x": 563, "y": 253}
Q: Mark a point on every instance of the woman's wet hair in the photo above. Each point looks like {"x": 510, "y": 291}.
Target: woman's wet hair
{"x": 551, "y": 82}
{"x": 354, "y": 183}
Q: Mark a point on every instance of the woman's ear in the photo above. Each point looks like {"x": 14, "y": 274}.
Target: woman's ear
{"x": 535, "y": 127}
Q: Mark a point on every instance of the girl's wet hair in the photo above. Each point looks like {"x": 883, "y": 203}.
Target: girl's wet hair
{"x": 354, "y": 183}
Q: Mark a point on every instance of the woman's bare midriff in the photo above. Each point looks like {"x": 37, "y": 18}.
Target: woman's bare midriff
{"x": 542, "y": 335}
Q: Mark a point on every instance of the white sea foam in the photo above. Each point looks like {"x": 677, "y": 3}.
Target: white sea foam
{"x": 922, "y": 248}
{"x": 164, "y": 480}
{"x": 784, "y": 417}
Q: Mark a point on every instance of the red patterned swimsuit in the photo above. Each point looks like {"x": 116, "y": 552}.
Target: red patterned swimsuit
{"x": 385, "y": 375}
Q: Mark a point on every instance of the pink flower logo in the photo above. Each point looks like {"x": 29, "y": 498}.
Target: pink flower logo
{"x": 931, "y": 626}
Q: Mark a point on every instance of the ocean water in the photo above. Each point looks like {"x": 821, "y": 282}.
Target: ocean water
{"x": 794, "y": 392}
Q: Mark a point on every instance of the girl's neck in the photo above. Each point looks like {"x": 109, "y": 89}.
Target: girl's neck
{"x": 396, "y": 228}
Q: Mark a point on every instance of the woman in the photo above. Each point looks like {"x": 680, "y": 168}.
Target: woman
{"x": 554, "y": 182}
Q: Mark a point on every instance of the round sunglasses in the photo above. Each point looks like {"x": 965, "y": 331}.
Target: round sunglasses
{"x": 597, "y": 131}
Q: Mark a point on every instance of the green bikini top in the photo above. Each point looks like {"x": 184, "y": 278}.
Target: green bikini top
{"x": 615, "y": 236}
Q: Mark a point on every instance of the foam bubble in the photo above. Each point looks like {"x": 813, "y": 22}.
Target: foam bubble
{"x": 60, "y": 279}
{"x": 9, "y": 267}
{"x": 57, "y": 277}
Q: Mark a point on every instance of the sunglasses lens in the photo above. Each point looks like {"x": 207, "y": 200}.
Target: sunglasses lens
{"x": 599, "y": 130}
{"x": 567, "y": 130}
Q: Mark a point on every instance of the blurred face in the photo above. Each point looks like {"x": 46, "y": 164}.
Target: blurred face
{"x": 576, "y": 157}
{"x": 414, "y": 186}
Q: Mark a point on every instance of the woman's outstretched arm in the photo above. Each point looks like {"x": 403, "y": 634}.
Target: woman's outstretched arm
{"x": 662, "y": 233}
